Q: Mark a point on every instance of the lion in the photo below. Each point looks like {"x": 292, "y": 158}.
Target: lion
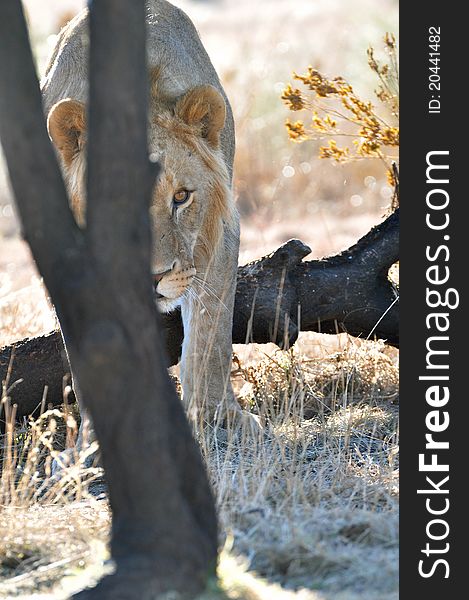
{"x": 194, "y": 220}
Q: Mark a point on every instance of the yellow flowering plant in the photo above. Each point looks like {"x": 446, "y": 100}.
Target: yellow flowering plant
{"x": 337, "y": 111}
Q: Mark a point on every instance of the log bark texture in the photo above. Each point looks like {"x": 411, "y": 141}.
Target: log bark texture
{"x": 277, "y": 296}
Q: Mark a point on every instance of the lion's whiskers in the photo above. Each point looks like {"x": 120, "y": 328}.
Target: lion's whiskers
{"x": 209, "y": 290}
{"x": 195, "y": 296}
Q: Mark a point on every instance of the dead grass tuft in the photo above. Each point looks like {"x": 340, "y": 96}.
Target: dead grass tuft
{"x": 287, "y": 383}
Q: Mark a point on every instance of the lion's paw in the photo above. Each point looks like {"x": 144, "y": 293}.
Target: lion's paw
{"x": 243, "y": 422}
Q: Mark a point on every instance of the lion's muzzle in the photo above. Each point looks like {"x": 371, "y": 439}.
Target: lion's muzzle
{"x": 172, "y": 284}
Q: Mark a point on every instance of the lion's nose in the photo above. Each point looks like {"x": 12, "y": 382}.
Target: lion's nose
{"x": 159, "y": 276}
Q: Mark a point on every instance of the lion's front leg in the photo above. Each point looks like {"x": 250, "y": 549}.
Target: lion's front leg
{"x": 207, "y": 314}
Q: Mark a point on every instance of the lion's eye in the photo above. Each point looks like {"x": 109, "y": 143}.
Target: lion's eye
{"x": 181, "y": 197}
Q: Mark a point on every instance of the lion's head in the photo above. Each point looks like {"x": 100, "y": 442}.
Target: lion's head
{"x": 191, "y": 200}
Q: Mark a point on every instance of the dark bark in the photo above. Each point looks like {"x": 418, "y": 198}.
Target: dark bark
{"x": 164, "y": 532}
{"x": 35, "y": 363}
{"x": 349, "y": 292}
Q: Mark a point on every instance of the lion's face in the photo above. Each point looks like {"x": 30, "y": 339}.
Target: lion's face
{"x": 191, "y": 198}
{"x": 179, "y": 209}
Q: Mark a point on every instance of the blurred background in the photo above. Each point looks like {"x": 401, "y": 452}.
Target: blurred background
{"x": 283, "y": 189}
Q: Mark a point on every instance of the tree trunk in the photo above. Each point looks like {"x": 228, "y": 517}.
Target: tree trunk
{"x": 164, "y": 531}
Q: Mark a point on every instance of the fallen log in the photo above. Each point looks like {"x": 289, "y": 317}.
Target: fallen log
{"x": 277, "y": 297}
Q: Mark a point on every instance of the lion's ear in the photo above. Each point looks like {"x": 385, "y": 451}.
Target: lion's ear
{"x": 203, "y": 106}
{"x": 66, "y": 124}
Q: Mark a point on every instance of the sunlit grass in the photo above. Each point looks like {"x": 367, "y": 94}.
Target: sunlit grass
{"x": 309, "y": 503}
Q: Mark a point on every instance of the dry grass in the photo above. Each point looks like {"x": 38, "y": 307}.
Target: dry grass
{"x": 309, "y": 510}
{"x": 24, "y": 311}
{"x": 311, "y": 505}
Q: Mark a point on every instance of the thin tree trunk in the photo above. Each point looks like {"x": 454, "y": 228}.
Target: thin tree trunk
{"x": 164, "y": 532}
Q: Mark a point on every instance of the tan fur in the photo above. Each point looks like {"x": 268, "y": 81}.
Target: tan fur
{"x": 66, "y": 124}
{"x": 204, "y": 108}
{"x": 191, "y": 133}
{"x": 206, "y": 147}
